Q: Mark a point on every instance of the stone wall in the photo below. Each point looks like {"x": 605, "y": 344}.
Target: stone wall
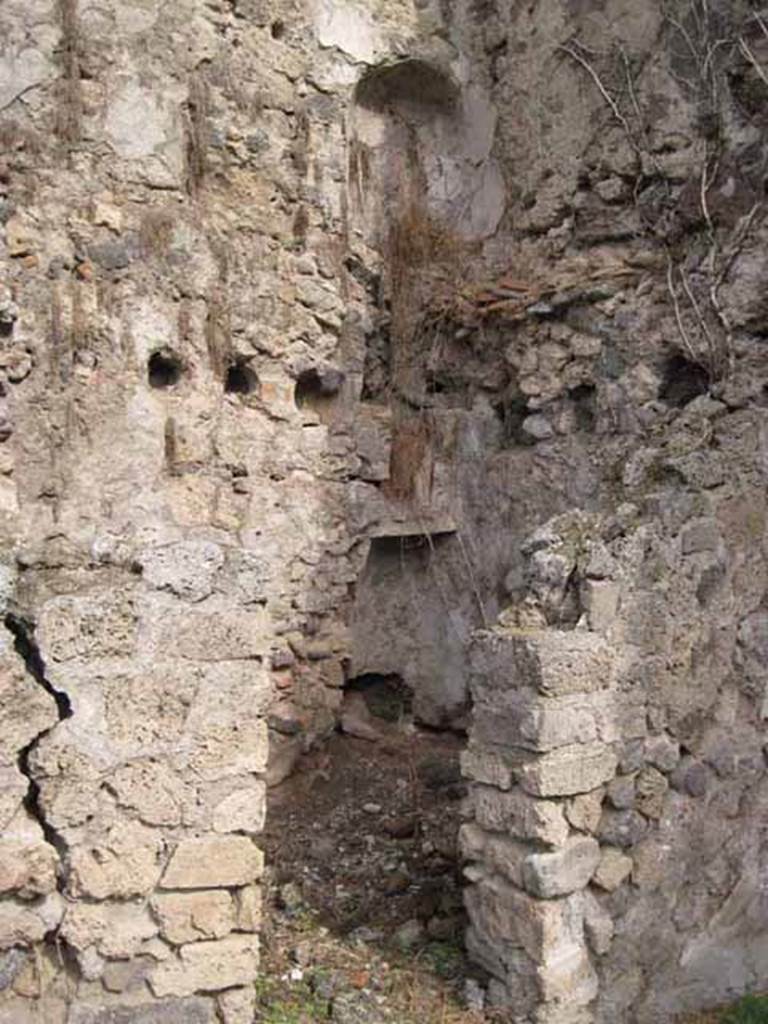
{"x": 312, "y": 313}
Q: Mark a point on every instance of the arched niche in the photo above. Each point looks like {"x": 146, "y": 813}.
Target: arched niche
{"x": 420, "y": 137}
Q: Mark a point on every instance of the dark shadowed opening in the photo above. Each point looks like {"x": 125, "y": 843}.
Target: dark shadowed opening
{"x": 163, "y": 370}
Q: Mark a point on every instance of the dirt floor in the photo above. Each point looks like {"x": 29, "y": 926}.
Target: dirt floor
{"x": 364, "y": 917}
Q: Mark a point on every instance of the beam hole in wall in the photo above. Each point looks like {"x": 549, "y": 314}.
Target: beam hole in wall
{"x": 317, "y": 390}
{"x": 277, "y": 29}
{"x": 683, "y": 380}
{"x": 164, "y": 370}
{"x": 240, "y": 379}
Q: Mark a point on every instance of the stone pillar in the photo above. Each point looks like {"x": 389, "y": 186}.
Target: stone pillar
{"x": 540, "y": 753}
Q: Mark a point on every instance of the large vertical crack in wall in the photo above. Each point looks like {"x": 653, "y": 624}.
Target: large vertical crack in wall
{"x": 26, "y": 648}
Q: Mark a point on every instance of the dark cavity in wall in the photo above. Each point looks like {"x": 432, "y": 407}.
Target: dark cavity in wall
{"x": 163, "y": 370}
{"x": 682, "y": 381}
{"x": 240, "y": 379}
{"x": 317, "y": 390}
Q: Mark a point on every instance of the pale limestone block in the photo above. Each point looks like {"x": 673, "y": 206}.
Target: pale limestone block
{"x": 126, "y": 864}
{"x": 208, "y": 967}
{"x": 213, "y": 862}
{"x": 242, "y": 811}
{"x": 192, "y": 916}
{"x": 569, "y": 770}
{"x": 566, "y": 870}
{"x": 519, "y": 814}
{"x": 614, "y": 868}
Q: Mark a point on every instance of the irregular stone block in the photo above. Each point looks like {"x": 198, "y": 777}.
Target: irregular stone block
{"x": 248, "y": 903}
{"x": 113, "y": 929}
{"x": 525, "y": 719}
{"x": 621, "y": 792}
{"x": 27, "y": 868}
{"x": 520, "y": 815}
{"x": 188, "y": 569}
{"x": 26, "y": 708}
{"x": 554, "y": 663}
{"x": 662, "y": 752}
{"x": 94, "y": 625}
{"x": 232, "y": 635}
{"x": 622, "y": 828}
{"x": 22, "y": 924}
{"x": 614, "y": 868}
{"x": 125, "y": 864}
{"x": 652, "y": 788}
{"x": 208, "y": 967}
{"x": 569, "y": 770}
{"x": 192, "y": 916}
{"x": 501, "y": 855}
{"x": 566, "y": 870}
{"x": 584, "y": 811}
{"x": 213, "y": 862}
{"x": 598, "y": 925}
{"x": 238, "y": 1005}
{"x": 486, "y": 766}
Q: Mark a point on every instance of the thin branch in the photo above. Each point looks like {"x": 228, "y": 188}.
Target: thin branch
{"x": 575, "y": 55}
{"x": 752, "y": 60}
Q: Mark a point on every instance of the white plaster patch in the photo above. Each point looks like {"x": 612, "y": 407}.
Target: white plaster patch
{"x": 348, "y": 28}
{"x": 137, "y": 124}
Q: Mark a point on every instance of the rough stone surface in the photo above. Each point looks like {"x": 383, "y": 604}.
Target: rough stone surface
{"x": 380, "y": 344}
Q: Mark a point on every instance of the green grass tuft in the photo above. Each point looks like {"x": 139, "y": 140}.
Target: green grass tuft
{"x": 749, "y": 1010}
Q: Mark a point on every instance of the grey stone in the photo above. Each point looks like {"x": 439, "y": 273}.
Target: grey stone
{"x": 622, "y": 828}
{"x": 11, "y": 962}
{"x": 691, "y": 777}
{"x": 193, "y": 1010}
{"x": 662, "y": 752}
{"x": 621, "y": 792}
